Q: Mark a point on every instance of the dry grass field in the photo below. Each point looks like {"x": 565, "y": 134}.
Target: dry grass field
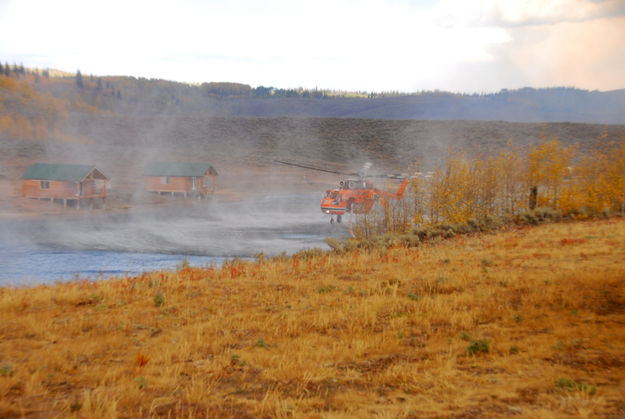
{"x": 526, "y": 322}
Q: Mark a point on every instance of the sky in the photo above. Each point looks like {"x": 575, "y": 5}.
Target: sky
{"x": 372, "y": 45}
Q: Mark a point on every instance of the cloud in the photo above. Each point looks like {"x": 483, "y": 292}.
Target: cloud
{"x": 588, "y": 54}
{"x": 377, "y": 45}
{"x": 511, "y": 13}
{"x": 550, "y": 43}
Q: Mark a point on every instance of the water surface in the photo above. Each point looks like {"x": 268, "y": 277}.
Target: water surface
{"x": 99, "y": 245}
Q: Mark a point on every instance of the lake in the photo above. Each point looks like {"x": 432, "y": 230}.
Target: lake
{"x": 100, "y": 245}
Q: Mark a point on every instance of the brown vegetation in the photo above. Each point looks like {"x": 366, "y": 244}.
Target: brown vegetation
{"x": 528, "y": 321}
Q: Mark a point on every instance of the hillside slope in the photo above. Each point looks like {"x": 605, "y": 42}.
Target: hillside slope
{"x": 128, "y": 95}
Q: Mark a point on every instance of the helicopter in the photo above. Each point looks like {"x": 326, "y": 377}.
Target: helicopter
{"x": 355, "y": 196}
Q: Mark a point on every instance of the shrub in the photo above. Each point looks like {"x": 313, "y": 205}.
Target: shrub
{"x": 6, "y": 369}
{"x": 323, "y": 290}
{"x": 308, "y": 254}
{"x": 478, "y": 346}
{"x": 587, "y": 388}
{"x": 564, "y": 382}
{"x": 335, "y": 244}
{"x": 159, "y": 300}
{"x": 568, "y": 384}
{"x": 547, "y": 214}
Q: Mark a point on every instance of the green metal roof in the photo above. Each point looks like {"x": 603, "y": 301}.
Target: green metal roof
{"x": 46, "y": 171}
{"x": 178, "y": 169}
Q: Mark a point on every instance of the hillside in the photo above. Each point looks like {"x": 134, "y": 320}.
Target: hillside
{"x": 128, "y": 95}
{"x": 524, "y": 105}
{"x": 525, "y": 322}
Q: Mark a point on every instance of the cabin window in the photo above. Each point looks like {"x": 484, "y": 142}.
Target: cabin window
{"x": 334, "y": 194}
{"x": 44, "y": 184}
{"x": 166, "y": 180}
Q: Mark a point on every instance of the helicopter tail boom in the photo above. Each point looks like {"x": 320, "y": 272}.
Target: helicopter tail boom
{"x": 402, "y": 188}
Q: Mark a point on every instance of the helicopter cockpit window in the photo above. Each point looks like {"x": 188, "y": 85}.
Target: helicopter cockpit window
{"x": 334, "y": 195}
{"x": 355, "y": 184}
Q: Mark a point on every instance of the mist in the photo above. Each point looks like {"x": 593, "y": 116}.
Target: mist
{"x": 258, "y": 206}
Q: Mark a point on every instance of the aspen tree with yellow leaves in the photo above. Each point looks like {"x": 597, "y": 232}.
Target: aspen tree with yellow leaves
{"x": 498, "y": 184}
{"x": 510, "y": 189}
{"x": 600, "y": 179}
{"x": 26, "y": 113}
{"x": 548, "y": 164}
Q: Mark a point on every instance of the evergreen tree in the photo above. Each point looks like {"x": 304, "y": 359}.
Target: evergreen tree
{"x": 79, "y": 79}
{"x": 99, "y": 84}
{"x": 7, "y": 69}
{"x": 46, "y": 74}
{"x": 1, "y": 69}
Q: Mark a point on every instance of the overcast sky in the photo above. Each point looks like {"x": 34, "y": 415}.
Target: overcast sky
{"x": 373, "y": 45}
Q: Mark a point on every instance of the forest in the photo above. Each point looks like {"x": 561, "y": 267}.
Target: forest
{"x": 141, "y": 96}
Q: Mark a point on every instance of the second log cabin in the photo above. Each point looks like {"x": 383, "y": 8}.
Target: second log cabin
{"x": 185, "y": 179}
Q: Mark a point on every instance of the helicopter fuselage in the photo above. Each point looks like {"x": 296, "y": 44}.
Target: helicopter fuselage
{"x": 355, "y": 196}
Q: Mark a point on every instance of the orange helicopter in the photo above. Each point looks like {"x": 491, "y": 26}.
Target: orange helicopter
{"x": 354, "y": 196}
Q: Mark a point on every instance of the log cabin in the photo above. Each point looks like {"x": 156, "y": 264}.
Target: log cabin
{"x": 72, "y": 184}
{"x": 185, "y": 179}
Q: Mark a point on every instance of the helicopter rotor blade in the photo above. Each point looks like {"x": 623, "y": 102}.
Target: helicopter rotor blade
{"x": 315, "y": 168}
{"x": 389, "y": 176}
{"x": 361, "y": 174}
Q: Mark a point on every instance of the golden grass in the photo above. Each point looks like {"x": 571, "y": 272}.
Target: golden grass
{"x": 528, "y": 321}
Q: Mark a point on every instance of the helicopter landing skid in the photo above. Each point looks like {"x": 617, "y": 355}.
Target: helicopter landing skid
{"x": 338, "y": 219}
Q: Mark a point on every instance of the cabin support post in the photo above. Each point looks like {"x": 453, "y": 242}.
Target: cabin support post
{"x": 65, "y": 203}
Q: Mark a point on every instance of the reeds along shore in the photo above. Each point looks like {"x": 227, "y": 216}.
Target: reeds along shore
{"x": 527, "y": 321}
